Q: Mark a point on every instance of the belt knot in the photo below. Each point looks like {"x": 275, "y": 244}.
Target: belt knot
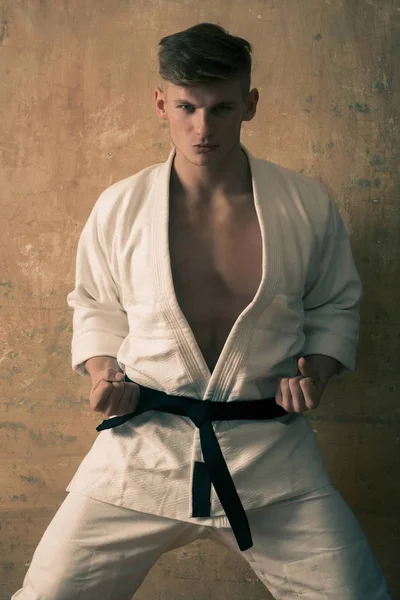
{"x": 200, "y": 411}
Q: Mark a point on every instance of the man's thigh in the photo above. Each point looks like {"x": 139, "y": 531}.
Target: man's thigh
{"x": 92, "y": 549}
{"x": 312, "y": 547}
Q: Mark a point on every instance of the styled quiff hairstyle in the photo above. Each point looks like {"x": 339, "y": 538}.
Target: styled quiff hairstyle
{"x": 205, "y": 53}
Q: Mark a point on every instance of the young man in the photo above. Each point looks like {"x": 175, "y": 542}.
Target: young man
{"x": 215, "y": 296}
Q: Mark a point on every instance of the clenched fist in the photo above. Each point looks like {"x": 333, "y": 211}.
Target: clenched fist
{"x": 301, "y": 393}
{"x": 111, "y": 395}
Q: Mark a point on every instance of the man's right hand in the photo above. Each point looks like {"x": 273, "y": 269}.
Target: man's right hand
{"x": 110, "y": 394}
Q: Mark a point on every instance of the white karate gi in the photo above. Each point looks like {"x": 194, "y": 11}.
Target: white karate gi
{"x": 307, "y": 303}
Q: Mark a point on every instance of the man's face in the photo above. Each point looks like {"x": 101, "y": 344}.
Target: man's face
{"x": 205, "y": 114}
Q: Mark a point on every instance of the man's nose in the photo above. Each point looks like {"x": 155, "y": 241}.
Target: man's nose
{"x": 203, "y": 125}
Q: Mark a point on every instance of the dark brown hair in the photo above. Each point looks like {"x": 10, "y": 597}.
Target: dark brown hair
{"x": 205, "y": 53}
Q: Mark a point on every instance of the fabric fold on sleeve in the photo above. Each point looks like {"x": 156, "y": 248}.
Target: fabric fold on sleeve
{"x": 100, "y": 323}
{"x": 333, "y": 296}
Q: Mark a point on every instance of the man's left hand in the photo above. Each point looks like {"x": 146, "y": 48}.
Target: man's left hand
{"x": 301, "y": 393}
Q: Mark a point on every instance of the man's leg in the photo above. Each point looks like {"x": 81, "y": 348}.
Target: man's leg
{"x": 92, "y": 550}
{"x": 312, "y": 547}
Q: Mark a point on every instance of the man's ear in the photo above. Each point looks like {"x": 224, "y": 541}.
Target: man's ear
{"x": 251, "y": 105}
{"x": 159, "y": 99}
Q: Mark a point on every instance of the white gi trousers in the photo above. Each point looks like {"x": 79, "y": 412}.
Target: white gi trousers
{"x": 309, "y": 547}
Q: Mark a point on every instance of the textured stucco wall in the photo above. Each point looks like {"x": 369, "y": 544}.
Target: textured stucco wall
{"x": 76, "y": 94}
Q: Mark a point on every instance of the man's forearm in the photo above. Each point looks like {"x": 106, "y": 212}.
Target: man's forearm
{"x": 322, "y": 367}
{"x": 99, "y": 363}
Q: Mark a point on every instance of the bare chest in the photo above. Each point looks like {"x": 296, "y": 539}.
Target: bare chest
{"x": 216, "y": 267}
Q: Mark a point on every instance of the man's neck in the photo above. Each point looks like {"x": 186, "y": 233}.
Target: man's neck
{"x": 230, "y": 180}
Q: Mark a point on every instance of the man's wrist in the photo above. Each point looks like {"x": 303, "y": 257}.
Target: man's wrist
{"x": 322, "y": 367}
{"x": 100, "y": 363}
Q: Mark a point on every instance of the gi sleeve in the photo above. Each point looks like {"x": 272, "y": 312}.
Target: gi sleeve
{"x": 333, "y": 296}
{"x": 100, "y": 322}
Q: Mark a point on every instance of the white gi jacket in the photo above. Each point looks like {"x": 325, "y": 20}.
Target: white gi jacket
{"x": 125, "y": 306}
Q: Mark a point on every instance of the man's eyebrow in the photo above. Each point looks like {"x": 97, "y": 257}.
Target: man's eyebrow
{"x": 230, "y": 102}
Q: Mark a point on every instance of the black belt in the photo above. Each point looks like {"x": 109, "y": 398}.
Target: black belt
{"x": 202, "y": 413}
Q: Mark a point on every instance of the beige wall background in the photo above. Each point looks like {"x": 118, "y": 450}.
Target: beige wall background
{"x": 77, "y": 113}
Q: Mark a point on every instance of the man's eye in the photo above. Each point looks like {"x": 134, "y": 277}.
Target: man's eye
{"x": 185, "y": 106}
